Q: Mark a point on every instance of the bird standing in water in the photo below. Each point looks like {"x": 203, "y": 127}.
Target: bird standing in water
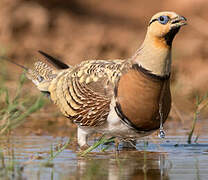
{"x": 127, "y": 98}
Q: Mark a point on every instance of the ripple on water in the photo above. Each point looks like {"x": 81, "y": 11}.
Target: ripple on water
{"x": 171, "y": 158}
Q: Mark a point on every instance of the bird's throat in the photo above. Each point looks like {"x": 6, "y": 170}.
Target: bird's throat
{"x": 155, "y": 56}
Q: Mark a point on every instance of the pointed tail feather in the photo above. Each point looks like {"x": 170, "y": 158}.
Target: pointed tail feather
{"x": 41, "y": 74}
{"x": 19, "y": 65}
{"x": 56, "y": 62}
{"x": 30, "y": 74}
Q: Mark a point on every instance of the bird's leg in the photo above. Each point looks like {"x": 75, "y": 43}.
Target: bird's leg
{"x": 82, "y": 138}
{"x": 117, "y": 144}
{"x": 129, "y": 145}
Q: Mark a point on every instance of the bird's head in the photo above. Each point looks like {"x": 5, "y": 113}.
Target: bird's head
{"x": 165, "y": 25}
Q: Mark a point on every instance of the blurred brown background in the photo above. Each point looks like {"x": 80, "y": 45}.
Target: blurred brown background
{"x": 75, "y": 30}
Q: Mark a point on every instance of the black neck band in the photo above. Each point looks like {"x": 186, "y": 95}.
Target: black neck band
{"x": 126, "y": 121}
{"x": 149, "y": 73}
{"x": 118, "y": 109}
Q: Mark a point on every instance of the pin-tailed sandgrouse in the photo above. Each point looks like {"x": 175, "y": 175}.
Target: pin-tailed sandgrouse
{"x": 123, "y": 98}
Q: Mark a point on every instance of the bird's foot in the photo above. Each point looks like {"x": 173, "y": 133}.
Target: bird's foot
{"x": 84, "y": 147}
{"x": 129, "y": 145}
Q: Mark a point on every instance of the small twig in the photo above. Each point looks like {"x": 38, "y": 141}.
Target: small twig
{"x": 199, "y": 108}
{"x": 193, "y": 127}
{"x": 178, "y": 113}
{"x": 54, "y": 155}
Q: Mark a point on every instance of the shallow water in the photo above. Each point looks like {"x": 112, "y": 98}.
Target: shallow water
{"x": 25, "y": 157}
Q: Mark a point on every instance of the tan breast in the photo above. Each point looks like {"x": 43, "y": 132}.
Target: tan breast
{"x": 139, "y": 97}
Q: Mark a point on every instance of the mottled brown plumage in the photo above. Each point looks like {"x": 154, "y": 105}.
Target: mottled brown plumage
{"x": 84, "y": 93}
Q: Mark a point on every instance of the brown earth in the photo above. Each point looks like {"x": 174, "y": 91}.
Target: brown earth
{"x": 76, "y": 30}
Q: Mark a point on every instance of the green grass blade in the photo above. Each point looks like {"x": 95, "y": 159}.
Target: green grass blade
{"x": 36, "y": 106}
{"x": 101, "y": 141}
{"x": 54, "y": 155}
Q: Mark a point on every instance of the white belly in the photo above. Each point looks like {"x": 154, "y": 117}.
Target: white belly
{"x": 116, "y": 127}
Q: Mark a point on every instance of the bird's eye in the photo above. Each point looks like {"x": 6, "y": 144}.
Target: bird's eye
{"x": 163, "y": 19}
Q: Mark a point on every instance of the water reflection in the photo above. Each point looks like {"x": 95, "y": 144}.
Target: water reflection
{"x": 26, "y": 157}
{"x": 127, "y": 165}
